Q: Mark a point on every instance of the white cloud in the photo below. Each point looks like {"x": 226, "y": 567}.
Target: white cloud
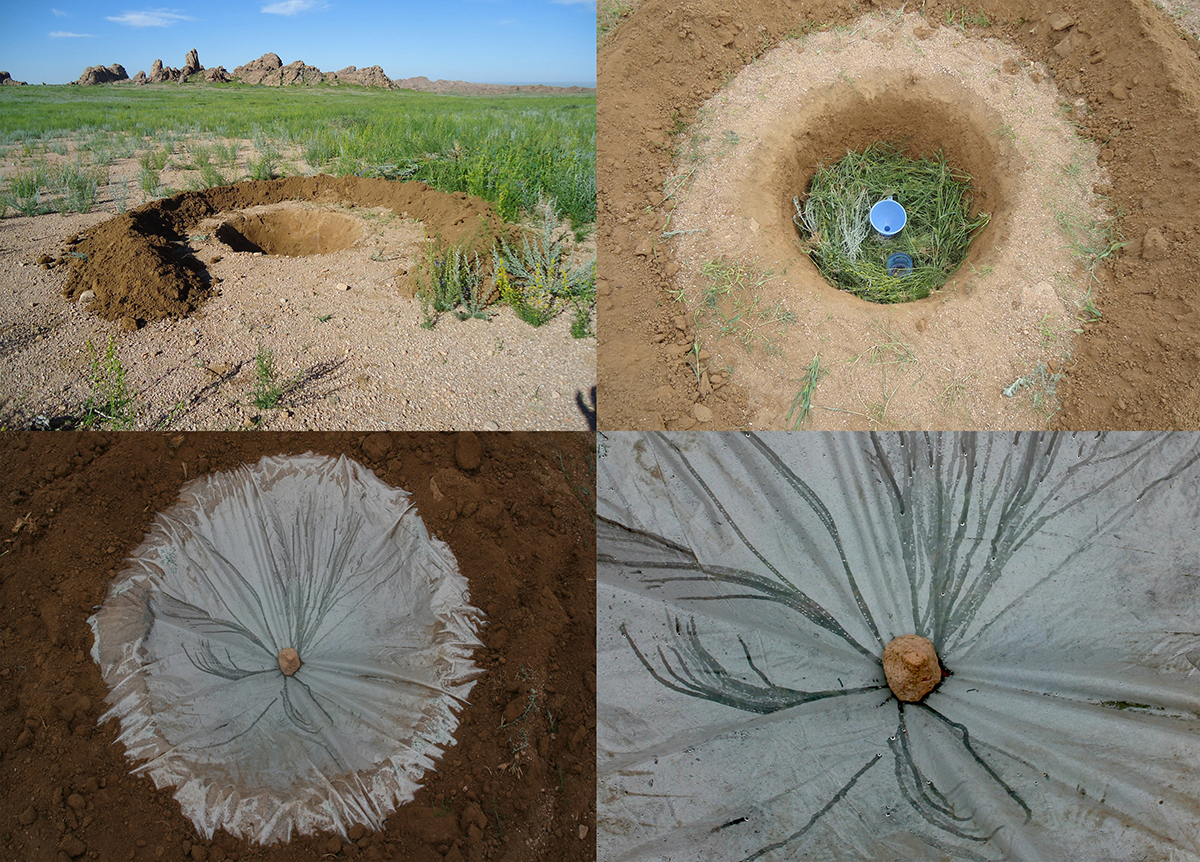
{"x": 289, "y": 7}
{"x": 58, "y": 13}
{"x": 62, "y": 34}
{"x": 150, "y": 18}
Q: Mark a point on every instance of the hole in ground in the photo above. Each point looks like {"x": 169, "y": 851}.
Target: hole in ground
{"x": 290, "y": 233}
{"x": 922, "y": 116}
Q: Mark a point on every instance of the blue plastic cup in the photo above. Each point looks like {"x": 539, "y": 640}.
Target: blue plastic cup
{"x": 899, "y": 264}
{"x": 888, "y": 218}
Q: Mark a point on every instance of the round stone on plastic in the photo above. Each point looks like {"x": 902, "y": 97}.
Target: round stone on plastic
{"x": 912, "y": 667}
{"x": 289, "y": 661}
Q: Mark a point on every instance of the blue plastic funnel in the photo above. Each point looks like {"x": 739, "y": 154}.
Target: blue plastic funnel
{"x": 888, "y": 218}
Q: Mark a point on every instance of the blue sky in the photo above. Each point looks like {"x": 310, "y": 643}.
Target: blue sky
{"x": 483, "y": 41}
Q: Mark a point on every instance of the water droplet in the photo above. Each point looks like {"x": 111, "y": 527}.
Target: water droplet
{"x": 893, "y": 739}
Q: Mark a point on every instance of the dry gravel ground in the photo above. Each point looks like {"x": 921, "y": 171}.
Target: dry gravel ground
{"x": 352, "y": 357}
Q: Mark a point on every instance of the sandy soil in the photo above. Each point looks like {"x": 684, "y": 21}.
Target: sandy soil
{"x": 1137, "y": 74}
{"x": 520, "y": 525}
{"x": 188, "y": 314}
{"x": 1013, "y": 307}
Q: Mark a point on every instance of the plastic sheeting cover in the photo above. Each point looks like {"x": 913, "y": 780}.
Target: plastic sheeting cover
{"x": 304, "y": 552}
{"x": 747, "y": 587}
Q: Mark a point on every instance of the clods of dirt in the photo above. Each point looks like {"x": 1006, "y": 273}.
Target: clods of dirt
{"x": 139, "y": 266}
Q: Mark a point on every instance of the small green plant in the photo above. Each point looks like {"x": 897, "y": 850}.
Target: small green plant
{"x": 447, "y": 278}
{"x": 731, "y": 300}
{"x": 539, "y": 279}
{"x": 110, "y": 404}
{"x": 24, "y": 192}
{"x": 268, "y": 390}
{"x": 265, "y": 166}
{"x": 802, "y": 403}
{"x": 834, "y": 222}
{"x": 78, "y": 186}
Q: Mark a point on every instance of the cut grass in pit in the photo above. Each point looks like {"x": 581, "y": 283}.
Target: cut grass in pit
{"x": 834, "y": 221}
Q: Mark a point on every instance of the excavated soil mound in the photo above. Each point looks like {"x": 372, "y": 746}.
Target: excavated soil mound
{"x": 1132, "y": 79}
{"x": 290, "y": 234}
{"x": 139, "y": 264}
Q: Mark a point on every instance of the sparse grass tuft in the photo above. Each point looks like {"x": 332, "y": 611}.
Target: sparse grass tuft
{"x": 732, "y": 302}
{"x": 802, "y": 403}
{"x": 268, "y": 390}
{"x": 110, "y": 405}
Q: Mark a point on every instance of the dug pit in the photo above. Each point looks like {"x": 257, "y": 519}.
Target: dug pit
{"x": 143, "y": 265}
{"x": 290, "y": 234}
{"x": 762, "y": 311}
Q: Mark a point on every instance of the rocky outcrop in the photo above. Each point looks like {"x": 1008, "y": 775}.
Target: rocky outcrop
{"x": 160, "y": 74}
{"x": 6, "y": 78}
{"x": 191, "y": 64}
{"x": 372, "y": 76}
{"x": 217, "y": 75}
{"x": 103, "y": 75}
{"x": 256, "y": 70}
{"x": 139, "y": 78}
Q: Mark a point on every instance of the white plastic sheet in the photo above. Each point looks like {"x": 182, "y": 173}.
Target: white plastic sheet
{"x": 304, "y": 552}
{"x": 747, "y": 587}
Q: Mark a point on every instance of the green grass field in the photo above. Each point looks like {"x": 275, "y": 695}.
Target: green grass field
{"x": 509, "y": 150}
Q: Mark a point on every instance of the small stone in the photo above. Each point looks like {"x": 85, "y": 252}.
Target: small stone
{"x": 911, "y": 666}
{"x": 705, "y": 385}
{"x": 333, "y": 845}
{"x": 680, "y": 323}
{"x": 72, "y": 846}
{"x": 1059, "y": 22}
{"x": 468, "y": 453}
{"x": 491, "y": 425}
{"x": 86, "y": 297}
{"x": 377, "y": 446}
{"x": 129, "y": 324}
{"x": 1155, "y": 245}
{"x": 76, "y": 801}
{"x": 702, "y": 413}
{"x": 343, "y": 286}
{"x": 583, "y": 832}
{"x": 754, "y": 225}
{"x": 289, "y": 661}
{"x": 1119, "y": 92}
{"x": 357, "y": 831}
{"x": 27, "y": 816}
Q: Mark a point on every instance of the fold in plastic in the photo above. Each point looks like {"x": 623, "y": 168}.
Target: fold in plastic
{"x": 747, "y": 587}
{"x": 304, "y": 552}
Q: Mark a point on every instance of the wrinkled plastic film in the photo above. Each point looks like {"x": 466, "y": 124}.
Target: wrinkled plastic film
{"x": 747, "y": 587}
{"x": 309, "y": 553}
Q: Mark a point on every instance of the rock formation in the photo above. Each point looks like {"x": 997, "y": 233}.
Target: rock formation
{"x": 6, "y": 78}
{"x": 101, "y": 75}
{"x": 217, "y": 75}
{"x": 256, "y": 70}
{"x": 139, "y": 78}
{"x": 372, "y": 76}
{"x": 191, "y": 63}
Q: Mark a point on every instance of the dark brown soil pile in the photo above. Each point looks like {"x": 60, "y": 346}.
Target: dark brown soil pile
{"x": 1137, "y": 367}
{"x": 516, "y": 510}
{"x": 139, "y": 264}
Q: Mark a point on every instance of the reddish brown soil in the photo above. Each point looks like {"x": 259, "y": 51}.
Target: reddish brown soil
{"x": 1135, "y": 368}
{"x": 140, "y": 266}
{"x": 74, "y": 505}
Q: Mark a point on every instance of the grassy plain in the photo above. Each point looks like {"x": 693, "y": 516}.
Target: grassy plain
{"x": 510, "y": 150}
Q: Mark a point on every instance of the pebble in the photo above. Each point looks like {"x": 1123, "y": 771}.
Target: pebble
{"x": 343, "y": 286}
{"x": 86, "y": 297}
{"x": 702, "y": 413}
{"x": 490, "y": 425}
